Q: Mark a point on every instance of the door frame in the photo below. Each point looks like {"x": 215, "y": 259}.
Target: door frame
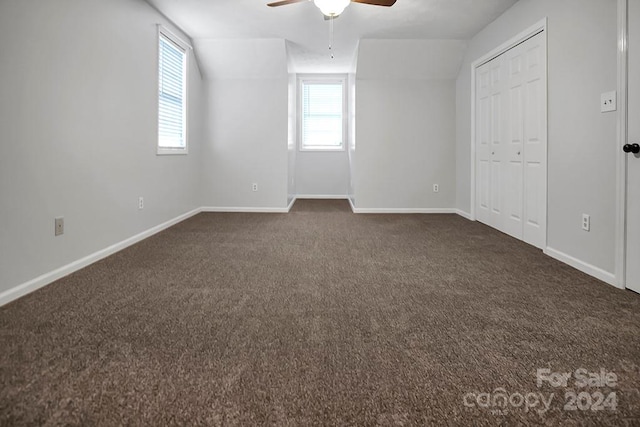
{"x": 621, "y": 139}
{"x": 539, "y": 27}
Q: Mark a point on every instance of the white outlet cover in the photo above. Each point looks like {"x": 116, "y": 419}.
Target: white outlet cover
{"x": 608, "y": 101}
{"x": 59, "y": 226}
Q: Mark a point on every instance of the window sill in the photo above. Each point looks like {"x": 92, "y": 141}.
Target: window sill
{"x": 172, "y": 152}
{"x": 322, "y": 150}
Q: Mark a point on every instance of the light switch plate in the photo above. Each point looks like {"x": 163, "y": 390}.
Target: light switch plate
{"x": 608, "y": 102}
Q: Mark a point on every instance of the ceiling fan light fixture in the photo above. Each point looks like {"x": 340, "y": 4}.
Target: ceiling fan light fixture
{"x": 331, "y": 7}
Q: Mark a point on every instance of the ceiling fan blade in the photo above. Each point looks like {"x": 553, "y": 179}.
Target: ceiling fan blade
{"x": 284, "y": 2}
{"x": 387, "y": 3}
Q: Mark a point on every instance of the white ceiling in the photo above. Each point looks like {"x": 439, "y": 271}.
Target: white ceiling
{"x": 307, "y": 33}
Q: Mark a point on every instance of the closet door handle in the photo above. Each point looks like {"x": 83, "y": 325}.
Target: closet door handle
{"x": 631, "y": 148}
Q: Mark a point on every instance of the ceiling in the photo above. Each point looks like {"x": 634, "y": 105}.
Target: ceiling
{"x": 307, "y": 33}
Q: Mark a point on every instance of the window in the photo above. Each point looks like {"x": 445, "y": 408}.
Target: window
{"x": 322, "y": 118}
{"x": 172, "y": 94}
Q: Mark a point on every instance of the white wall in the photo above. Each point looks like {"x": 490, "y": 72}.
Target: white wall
{"x": 247, "y": 124}
{"x": 582, "y": 141}
{"x": 78, "y": 113}
{"x": 291, "y": 137}
{"x": 351, "y": 146}
{"x": 322, "y": 173}
{"x": 405, "y": 123}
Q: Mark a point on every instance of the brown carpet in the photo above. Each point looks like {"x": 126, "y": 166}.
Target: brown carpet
{"x": 318, "y": 317}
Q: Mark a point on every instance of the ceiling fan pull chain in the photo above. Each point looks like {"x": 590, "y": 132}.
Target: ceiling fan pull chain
{"x": 331, "y": 37}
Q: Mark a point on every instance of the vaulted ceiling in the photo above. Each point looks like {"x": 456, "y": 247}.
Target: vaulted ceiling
{"x": 307, "y": 33}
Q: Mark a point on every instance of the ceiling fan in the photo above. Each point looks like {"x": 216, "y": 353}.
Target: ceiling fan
{"x": 333, "y": 8}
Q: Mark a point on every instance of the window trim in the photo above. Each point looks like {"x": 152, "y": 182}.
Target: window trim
{"x": 322, "y": 79}
{"x": 186, "y": 47}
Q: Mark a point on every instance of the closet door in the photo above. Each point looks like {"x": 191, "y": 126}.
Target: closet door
{"x": 511, "y": 141}
{"x": 491, "y": 126}
{"x": 535, "y": 141}
{"x": 513, "y": 168}
{"x": 483, "y": 138}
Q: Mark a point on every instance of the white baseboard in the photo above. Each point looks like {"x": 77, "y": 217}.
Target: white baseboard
{"x": 245, "y": 209}
{"x": 463, "y": 214}
{"x": 293, "y": 201}
{"x": 410, "y": 210}
{"x": 47, "y": 278}
{"x": 585, "y": 267}
{"x": 403, "y": 210}
{"x": 322, "y": 196}
{"x": 353, "y": 206}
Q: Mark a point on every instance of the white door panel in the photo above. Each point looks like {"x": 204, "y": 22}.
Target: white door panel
{"x": 496, "y": 190}
{"x": 633, "y": 160}
{"x": 497, "y": 144}
{"x": 514, "y": 200}
{"x": 484, "y": 190}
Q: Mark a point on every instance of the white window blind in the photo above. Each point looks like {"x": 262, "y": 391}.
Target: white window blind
{"x": 171, "y": 96}
{"x": 322, "y": 116}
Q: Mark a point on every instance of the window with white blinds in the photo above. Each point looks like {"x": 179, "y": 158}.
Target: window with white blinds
{"x": 322, "y": 115}
{"x": 172, "y": 90}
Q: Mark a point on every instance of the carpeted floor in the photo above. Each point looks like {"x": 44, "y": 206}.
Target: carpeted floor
{"x": 321, "y": 317}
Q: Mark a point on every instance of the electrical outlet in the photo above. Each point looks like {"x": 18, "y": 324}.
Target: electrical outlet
{"x": 436, "y": 188}
{"x": 59, "y": 224}
{"x": 140, "y": 202}
{"x": 254, "y": 187}
{"x": 586, "y": 222}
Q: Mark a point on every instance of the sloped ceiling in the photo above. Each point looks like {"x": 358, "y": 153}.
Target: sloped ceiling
{"x": 307, "y": 33}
